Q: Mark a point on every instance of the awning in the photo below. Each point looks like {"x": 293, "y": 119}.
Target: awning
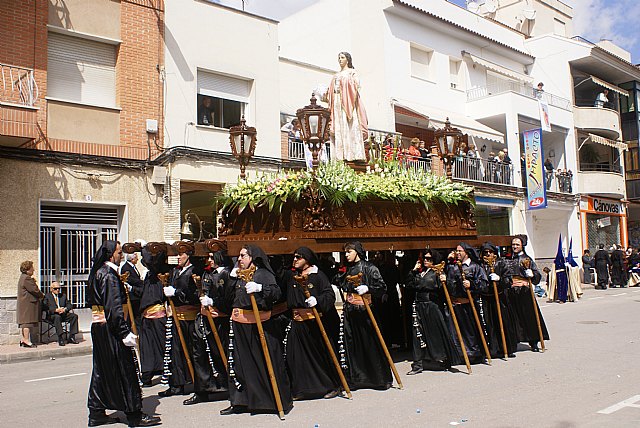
{"x": 498, "y": 68}
{"x": 437, "y": 118}
{"x": 620, "y": 145}
{"x": 609, "y": 86}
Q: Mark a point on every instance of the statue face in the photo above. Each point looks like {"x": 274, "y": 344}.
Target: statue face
{"x": 342, "y": 60}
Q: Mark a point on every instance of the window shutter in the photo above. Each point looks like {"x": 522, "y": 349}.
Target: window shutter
{"x": 227, "y": 87}
{"x": 81, "y": 70}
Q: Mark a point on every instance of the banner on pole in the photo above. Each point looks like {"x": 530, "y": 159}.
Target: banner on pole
{"x": 536, "y": 190}
{"x": 544, "y": 115}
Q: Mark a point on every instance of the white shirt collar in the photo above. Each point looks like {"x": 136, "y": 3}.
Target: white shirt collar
{"x": 234, "y": 272}
{"x": 112, "y": 266}
{"x": 184, "y": 269}
{"x": 311, "y": 269}
{"x": 467, "y": 262}
{"x": 219, "y": 269}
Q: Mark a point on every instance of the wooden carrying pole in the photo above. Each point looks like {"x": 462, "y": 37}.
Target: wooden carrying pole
{"x": 355, "y": 280}
{"x": 136, "y": 349}
{"x": 163, "y": 278}
{"x": 214, "y": 330}
{"x": 526, "y": 263}
{"x": 491, "y": 261}
{"x": 247, "y": 275}
{"x": 475, "y": 315}
{"x": 439, "y": 268}
{"x": 302, "y": 280}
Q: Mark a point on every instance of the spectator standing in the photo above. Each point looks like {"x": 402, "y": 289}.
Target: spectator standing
{"x": 539, "y": 91}
{"x": 28, "y": 304}
{"x": 205, "y": 112}
{"x": 548, "y": 168}
{"x": 587, "y": 264}
{"x": 602, "y": 99}
{"x": 59, "y": 309}
{"x": 603, "y": 263}
{"x": 618, "y": 273}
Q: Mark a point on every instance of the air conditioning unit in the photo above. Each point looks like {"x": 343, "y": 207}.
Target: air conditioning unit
{"x": 159, "y": 175}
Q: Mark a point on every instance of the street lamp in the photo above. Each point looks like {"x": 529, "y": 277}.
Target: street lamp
{"x": 187, "y": 231}
{"x": 237, "y": 136}
{"x": 448, "y": 139}
{"x": 314, "y": 121}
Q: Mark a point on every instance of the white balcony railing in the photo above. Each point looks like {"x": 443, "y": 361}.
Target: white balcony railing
{"x": 18, "y": 85}
{"x": 482, "y": 170}
{"x": 504, "y": 86}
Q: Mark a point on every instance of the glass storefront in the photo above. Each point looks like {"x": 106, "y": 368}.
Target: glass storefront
{"x": 492, "y": 220}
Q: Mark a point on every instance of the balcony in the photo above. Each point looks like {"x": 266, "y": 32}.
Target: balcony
{"x": 599, "y": 120}
{"x": 18, "y": 95}
{"x": 504, "y": 86}
{"x": 605, "y": 181}
{"x": 482, "y": 170}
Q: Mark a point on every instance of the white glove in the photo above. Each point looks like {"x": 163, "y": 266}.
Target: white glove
{"x": 253, "y": 287}
{"x": 206, "y": 301}
{"x": 311, "y": 301}
{"x": 129, "y": 287}
{"x": 169, "y": 291}
{"x": 362, "y": 289}
{"x": 494, "y": 277}
{"x": 528, "y": 273}
{"x": 130, "y": 340}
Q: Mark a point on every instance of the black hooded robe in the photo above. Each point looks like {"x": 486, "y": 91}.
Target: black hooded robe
{"x": 312, "y": 372}
{"x": 114, "y": 379}
{"x": 603, "y": 262}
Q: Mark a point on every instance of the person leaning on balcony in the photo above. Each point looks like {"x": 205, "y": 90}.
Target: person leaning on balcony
{"x": 293, "y": 130}
{"x": 548, "y": 167}
{"x": 28, "y": 304}
{"x": 602, "y": 98}
{"x": 412, "y": 152}
{"x": 539, "y": 91}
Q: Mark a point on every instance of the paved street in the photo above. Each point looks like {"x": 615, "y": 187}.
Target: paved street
{"x": 589, "y": 368}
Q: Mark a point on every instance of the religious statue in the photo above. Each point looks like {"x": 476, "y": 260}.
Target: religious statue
{"x": 349, "y": 127}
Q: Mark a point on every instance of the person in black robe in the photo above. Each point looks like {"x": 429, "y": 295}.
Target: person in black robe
{"x": 475, "y": 281}
{"x": 154, "y": 315}
{"x": 182, "y": 290}
{"x": 114, "y": 379}
{"x": 388, "y": 310}
{"x": 618, "y": 271}
{"x": 361, "y": 354}
{"x": 431, "y": 339}
{"x": 311, "y": 370}
{"x": 134, "y": 285}
{"x": 500, "y": 276}
{"x": 280, "y": 314}
{"x": 209, "y": 369}
{"x": 519, "y": 295}
{"x": 603, "y": 263}
{"x": 587, "y": 264}
{"x": 249, "y": 385}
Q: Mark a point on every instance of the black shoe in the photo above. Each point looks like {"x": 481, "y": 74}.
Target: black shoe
{"x": 147, "y": 383}
{"x": 231, "y": 410}
{"x": 61, "y": 342}
{"x": 97, "y": 421}
{"x": 145, "y": 421}
{"x": 511, "y": 355}
{"x": 332, "y": 394}
{"x": 534, "y": 347}
{"x": 195, "y": 399}
{"x": 174, "y": 390}
{"x": 414, "y": 372}
{"x": 73, "y": 340}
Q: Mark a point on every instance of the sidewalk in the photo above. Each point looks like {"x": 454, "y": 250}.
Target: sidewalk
{"x": 15, "y": 354}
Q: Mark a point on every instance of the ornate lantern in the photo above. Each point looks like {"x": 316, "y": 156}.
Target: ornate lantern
{"x": 448, "y": 140}
{"x": 243, "y": 143}
{"x": 314, "y": 121}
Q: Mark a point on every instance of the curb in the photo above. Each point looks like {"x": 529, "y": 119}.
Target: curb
{"x": 45, "y": 354}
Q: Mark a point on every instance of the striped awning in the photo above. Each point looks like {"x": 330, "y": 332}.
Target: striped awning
{"x": 610, "y": 86}
{"x": 498, "y": 68}
{"x": 620, "y": 145}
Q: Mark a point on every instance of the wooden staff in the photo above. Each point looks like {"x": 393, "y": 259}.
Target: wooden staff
{"x": 355, "y": 281}
{"x": 491, "y": 261}
{"x": 163, "y": 278}
{"x": 439, "y": 268}
{"x": 198, "y": 280}
{"x": 303, "y": 281}
{"x": 526, "y": 263}
{"x": 136, "y": 349}
{"x": 475, "y": 315}
{"x": 247, "y": 275}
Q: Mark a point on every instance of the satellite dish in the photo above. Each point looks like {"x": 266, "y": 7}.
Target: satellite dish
{"x": 491, "y": 6}
{"x": 473, "y": 6}
{"x": 530, "y": 14}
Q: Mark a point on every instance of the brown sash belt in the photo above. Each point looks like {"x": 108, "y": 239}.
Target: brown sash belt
{"x": 459, "y": 300}
{"x": 97, "y": 314}
{"x": 155, "y": 311}
{"x": 279, "y": 308}
{"x": 519, "y": 281}
{"x": 303, "y": 314}
{"x": 356, "y": 299}
{"x": 215, "y": 313}
{"x": 246, "y": 316}
{"x": 187, "y": 312}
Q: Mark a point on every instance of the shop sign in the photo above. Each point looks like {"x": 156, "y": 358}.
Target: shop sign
{"x": 536, "y": 190}
{"x": 606, "y": 206}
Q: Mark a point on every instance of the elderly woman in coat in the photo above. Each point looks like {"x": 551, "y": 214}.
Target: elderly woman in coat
{"x": 29, "y": 296}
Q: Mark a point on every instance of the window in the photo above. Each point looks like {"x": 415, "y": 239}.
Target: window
{"x": 82, "y": 71}
{"x": 421, "y": 62}
{"x": 454, "y": 73}
{"x": 559, "y": 27}
{"x": 222, "y": 100}
{"x": 492, "y": 220}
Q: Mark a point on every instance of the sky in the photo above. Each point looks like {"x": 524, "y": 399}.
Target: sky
{"x": 615, "y": 20}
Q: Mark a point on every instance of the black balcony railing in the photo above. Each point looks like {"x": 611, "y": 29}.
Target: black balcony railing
{"x": 600, "y": 167}
{"x": 483, "y": 170}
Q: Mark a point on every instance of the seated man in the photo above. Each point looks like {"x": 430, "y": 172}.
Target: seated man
{"x": 59, "y": 310}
